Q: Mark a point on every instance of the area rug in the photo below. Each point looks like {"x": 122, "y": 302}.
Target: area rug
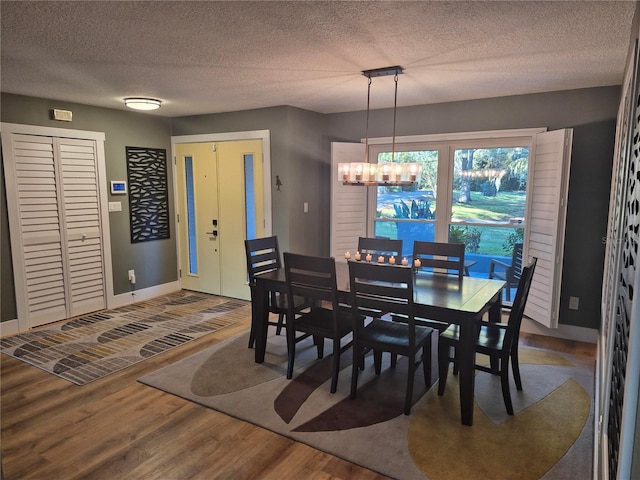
{"x": 550, "y": 435}
{"x": 90, "y": 347}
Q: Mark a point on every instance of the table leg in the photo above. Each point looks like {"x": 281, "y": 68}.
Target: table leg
{"x": 259, "y": 319}
{"x": 466, "y": 362}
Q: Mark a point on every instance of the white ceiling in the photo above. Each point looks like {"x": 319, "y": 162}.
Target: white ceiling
{"x": 221, "y": 56}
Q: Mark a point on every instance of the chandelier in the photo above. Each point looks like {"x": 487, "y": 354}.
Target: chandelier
{"x": 385, "y": 173}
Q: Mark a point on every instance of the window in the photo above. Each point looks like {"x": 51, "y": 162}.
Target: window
{"x": 492, "y": 190}
{"x": 469, "y": 192}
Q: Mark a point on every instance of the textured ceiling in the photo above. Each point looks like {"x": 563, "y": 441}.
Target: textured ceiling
{"x": 211, "y": 56}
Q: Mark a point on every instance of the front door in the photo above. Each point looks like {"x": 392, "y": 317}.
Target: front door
{"x": 220, "y": 204}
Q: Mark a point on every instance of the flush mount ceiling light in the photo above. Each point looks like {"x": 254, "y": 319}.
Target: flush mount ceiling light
{"x": 386, "y": 174}
{"x": 142, "y": 103}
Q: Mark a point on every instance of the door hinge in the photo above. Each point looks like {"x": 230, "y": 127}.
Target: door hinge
{"x": 175, "y": 162}
{"x": 180, "y": 273}
{"x": 178, "y": 217}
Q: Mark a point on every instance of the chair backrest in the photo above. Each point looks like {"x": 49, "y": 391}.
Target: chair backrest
{"x": 517, "y": 310}
{"x": 263, "y": 255}
{"x": 386, "y": 247}
{"x": 516, "y": 264}
{"x": 385, "y": 288}
{"x": 438, "y": 255}
{"x": 313, "y": 278}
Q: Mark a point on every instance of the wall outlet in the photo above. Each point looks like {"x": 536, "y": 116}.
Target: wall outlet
{"x": 132, "y": 276}
{"x": 573, "y": 303}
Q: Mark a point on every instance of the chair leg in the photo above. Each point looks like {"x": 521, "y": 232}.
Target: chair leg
{"x": 516, "y": 368}
{"x": 354, "y": 369}
{"x": 508, "y": 292}
{"x": 456, "y": 364}
{"x": 377, "y": 361}
{"x": 426, "y": 362}
{"x": 504, "y": 380}
{"x": 319, "y": 342}
{"x": 252, "y": 337}
{"x": 291, "y": 350}
{"x": 443, "y": 366}
{"x": 336, "y": 365}
{"x": 280, "y": 323}
{"x": 408, "y": 399}
{"x": 394, "y": 360}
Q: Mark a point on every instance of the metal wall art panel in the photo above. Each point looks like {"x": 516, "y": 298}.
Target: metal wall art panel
{"x": 148, "y": 193}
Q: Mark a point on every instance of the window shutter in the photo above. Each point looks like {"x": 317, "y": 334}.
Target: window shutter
{"x": 348, "y": 203}
{"x": 546, "y": 223}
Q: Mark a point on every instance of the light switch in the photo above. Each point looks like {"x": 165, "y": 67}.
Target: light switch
{"x": 305, "y": 207}
{"x": 115, "y": 206}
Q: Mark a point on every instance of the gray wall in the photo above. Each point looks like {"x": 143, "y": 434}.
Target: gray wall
{"x": 155, "y": 261}
{"x": 300, "y": 156}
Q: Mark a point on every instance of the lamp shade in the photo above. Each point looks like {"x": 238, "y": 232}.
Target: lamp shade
{"x": 142, "y": 103}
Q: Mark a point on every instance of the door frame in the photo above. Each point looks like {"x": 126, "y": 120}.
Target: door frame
{"x": 6, "y": 132}
{"x": 263, "y": 135}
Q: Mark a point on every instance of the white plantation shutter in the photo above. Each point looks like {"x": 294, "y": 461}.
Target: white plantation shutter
{"x": 546, "y": 223}
{"x": 54, "y": 214}
{"x": 348, "y": 203}
{"x": 78, "y": 165}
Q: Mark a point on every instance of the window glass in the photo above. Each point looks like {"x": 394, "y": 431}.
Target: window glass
{"x": 409, "y": 213}
{"x": 489, "y": 185}
{"x": 191, "y": 216}
{"x": 250, "y": 201}
{"x": 488, "y": 204}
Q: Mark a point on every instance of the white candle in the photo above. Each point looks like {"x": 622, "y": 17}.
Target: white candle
{"x": 405, "y": 262}
{"x": 368, "y": 257}
{"x": 347, "y": 255}
{"x": 380, "y": 259}
{"x": 357, "y": 256}
{"x": 392, "y": 260}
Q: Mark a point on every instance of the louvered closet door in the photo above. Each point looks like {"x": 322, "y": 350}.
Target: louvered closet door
{"x": 81, "y": 207}
{"x": 58, "y": 217}
{"x": 38, "y": 216}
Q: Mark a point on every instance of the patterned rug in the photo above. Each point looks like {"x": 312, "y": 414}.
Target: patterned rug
{"x": 550, "y": 436}
{"x": 89, "y": 347}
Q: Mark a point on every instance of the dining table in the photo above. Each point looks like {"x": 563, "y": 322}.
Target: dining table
{"x": 437, "y": 296}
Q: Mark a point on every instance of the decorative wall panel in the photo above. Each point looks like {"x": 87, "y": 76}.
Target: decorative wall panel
{"x": 619, "y": 283}
{"x": 148, "y": 193}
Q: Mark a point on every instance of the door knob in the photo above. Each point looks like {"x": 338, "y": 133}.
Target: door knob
{"x": 214, "y": 233}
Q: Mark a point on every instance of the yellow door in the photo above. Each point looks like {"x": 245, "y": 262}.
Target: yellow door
{"x": 220, "y": 202}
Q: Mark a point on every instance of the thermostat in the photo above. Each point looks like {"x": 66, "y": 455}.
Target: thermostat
{"x": 118, "y": 186}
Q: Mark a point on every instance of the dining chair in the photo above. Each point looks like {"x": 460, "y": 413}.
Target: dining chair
{"x": 314, "y": 278}
{"x": 439, "y": 256}
{"x": 385, "y": 247}
{"x": 497, "y": 340}
{"x": 263, "y": 255}
{"x": 387, "y": 288}
{"x": 450, "y": 259}
{"x": 509, "y": 272}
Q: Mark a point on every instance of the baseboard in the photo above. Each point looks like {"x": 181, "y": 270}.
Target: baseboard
{"x": 568, "y": 332}
{"x": 143, "y": 294}
{"x": 9, "y": 327}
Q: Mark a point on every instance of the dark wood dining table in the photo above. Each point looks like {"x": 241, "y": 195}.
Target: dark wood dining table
{"x": 437, "y": 297}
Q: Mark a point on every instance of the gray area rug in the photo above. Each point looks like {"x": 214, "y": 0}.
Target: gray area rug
{"x": 92, "y": 346}
{"x": 550, "y": 435}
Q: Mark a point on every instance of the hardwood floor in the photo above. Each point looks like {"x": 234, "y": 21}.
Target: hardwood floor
{"x": 117, "y": 428}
